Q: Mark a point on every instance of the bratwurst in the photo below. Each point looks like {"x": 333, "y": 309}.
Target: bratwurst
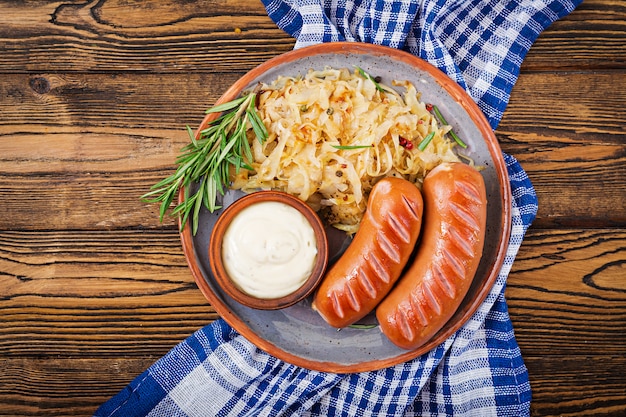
{"x": 437, "y": 280}
{"x": 373, "y": 262}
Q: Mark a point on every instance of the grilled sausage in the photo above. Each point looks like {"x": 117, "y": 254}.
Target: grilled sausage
{"x": 373, "y": 262}
{"x": 432, "y": 288}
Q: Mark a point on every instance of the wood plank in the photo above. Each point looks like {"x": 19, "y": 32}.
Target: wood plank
{"x": 566, "y": 292}
{"x": 137, "y": 36}
{"x": 117, "y": 153}
{"x": 229, "y": 35}
{"x": 571, "y": 104}
{"x": 577, "y": 385}
{"x": 46, "y": 102}
{"x": 63, "y": 386}
{"x": 78, "y": 386}
{"x": 86, "y": 293}
{"x": 591, "y": 37}
{"x": 571, "y": 139}
{"x": 96, "y": 293}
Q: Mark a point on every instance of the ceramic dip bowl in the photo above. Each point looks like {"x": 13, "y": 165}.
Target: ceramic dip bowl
{"x": 268, "y": 250}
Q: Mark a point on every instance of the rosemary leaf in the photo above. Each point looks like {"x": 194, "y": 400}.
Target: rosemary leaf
{"x": 349, "y": 147}
{"x": 363, "y": 326}
{"x": 424, "y": 143}
{"x": 258, "y": 126}
{"x": 364, "y": 74}
{"x": 192, "y": 136}
{"x": 227, "y": 106}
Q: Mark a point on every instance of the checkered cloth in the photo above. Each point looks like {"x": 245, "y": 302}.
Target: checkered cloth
{"x": 478, "y": 371}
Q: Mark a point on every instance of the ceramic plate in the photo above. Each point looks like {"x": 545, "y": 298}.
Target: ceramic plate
{"x": 298, "y": 334}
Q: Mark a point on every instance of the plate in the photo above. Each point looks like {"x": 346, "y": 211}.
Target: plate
{"x": 297, "y": 334}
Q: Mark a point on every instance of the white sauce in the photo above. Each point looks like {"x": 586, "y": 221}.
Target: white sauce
{"x": 269, "y": 249}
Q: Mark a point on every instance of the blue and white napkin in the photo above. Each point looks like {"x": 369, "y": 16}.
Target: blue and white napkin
{"x": 479, "y": 371}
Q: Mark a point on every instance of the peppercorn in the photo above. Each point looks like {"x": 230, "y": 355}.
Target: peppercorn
{"x": 407, "y": 144}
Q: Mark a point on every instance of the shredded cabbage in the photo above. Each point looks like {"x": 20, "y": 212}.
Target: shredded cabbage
{"x": 333, "y": 135}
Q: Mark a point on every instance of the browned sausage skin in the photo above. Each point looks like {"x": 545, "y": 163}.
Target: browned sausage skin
{"x": 373, "y": 262}
{"x": 434, "y": 285}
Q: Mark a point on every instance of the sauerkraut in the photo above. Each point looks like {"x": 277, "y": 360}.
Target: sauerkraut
{"x": 333, "y": 133}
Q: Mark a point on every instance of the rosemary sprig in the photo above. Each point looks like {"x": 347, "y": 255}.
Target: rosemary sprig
{"x": 208, "y": 159}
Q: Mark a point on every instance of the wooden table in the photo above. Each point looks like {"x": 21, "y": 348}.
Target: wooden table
{"x": 94, "y": 97}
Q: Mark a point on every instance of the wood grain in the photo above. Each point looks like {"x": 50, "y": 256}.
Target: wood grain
{"x": 96, "y": 293}
{"x": 77, "y": 288}
{"x": 63, "y": 386}
{"x": 596, "y": 389}
{"x": 567, "y": 292}
{"x": 94, "y": 98}
{"x": 121, "y": 139}
{"x": 221, "y": 36}
{"x": 562, "y": 325}
{"x": 151, "y": 36}
{"x": 590, "y": 39}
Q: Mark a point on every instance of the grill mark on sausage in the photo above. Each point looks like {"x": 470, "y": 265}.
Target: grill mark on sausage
{"x": 446, "y": 284}
{"x": 416, "y": 309}
{"x": 411, "y": 207}
{"x": 366, "y": 283}
{"x": 464, "y": 215}
{"x": 468, "y": 190}
{"x": 402, "y": 321}
{"x": 457, "y": 267}
{"x": 336, "y": 303}
{"x": 386, "y": 245}
{"x": 462, "y": 241}
{"x": 430, "y": 298}
{"x": 378, "y": 268}
{"x": 399, "y": 228}
{"x": 351, "y": 296}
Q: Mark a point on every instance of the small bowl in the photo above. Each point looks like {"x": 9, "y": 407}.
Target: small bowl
{"x": 219, "y": 238}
